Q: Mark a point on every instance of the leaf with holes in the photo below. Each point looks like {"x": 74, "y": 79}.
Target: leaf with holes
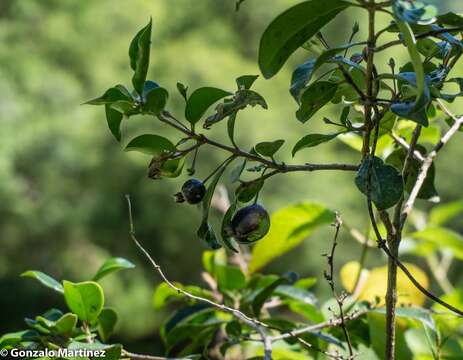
{"x": 386, "y": 182}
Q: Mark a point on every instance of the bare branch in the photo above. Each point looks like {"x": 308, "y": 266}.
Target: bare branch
{"x": 255, "y": 324}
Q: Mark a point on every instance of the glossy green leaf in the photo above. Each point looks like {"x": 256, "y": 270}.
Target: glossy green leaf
{"x": 442, "y": 238}
{"x": 156, "y": 100}
{"x": 314, "y": 98}
{"x": 386, "y": 182}
{"x": 442, "y": 214}
{"x": 114, "y": 119}
{"x": 150, "y": 144}
{"x": 84, "y": 299}
{"x": 291, "y": 29}
{"x": 44, "y": 279}
{"x": 139, "y": 53}
{"x": 112, "y": 265}
{"x": 269, "y": 148}
{"x": 246, "y": 81}
{"x": 107, "y": 321}
{"x": 312, "y": 140}
{"x": 289, "y": 227}
{"x": 200, "y": 100}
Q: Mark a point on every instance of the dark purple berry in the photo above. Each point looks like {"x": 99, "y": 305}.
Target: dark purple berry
{"x": 250, "y": 224}
{"x": 193, "y": 191}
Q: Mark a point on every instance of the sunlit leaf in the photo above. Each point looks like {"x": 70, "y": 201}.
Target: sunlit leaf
{"x": 289, "y": 227}
{"x": 85, "y": 299}
{"x": 44, "y": 279}
{"x": 292, "y": 29}
{"x": 112, "y": 265}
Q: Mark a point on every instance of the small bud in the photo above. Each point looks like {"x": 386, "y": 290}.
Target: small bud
{"x": 392, "y": 63}
{"x": 355, "y": 28}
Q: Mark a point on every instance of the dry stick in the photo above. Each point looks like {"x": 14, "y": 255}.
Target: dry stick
{"x": 402, "y": 143}
{"x": 425, "y": 167}
{"x": 329, "y": 276}
{"x": 251, "y": 322}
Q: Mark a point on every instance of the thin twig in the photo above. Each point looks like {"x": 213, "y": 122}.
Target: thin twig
{"x": 255, "y": 324}
{"x": 329, "y": 276}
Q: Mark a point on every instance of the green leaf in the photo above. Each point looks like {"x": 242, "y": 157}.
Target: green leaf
{"x": 183, "y": 90}
{"x": 156, "y": 100}
{"x": 289, "y": 227}
{"x": 112, "y": 95}
{"x": 312, "y": 140}
{"x": 12, "y": 339}
{"x": 237, "y": 171}
{"x": 377, "y": 324}
{"x": 413, "y": 111}
{"x": 292, "y": 29}
{"x": 139, "y": 53}
{"x": 267, "y": 292}
{"x": 231, "y": 127}
{"x": 442, "y": 214}
{"x": 112, "y": 265}
{"x": 200, "y": 100}
{"x": 112, "y": 352}
{"x": 442, "y": 238}
{"x": 84, "y": 299}
{"x": 229, "y": 277}
{"x": 107, "y": 321}
{"x": 150, "y": 144}
{"x": 314, "y": 98}
{"x": 114, "y": 119}
{"x": 269, "y": 148}
{"x": 226, "y": 227}
{"x": 415, "y": 313}
{"x": 44, "y": 279}
{"x": 386, "y": 182}
{"x": 66, "y": 324}
{"x": 205, "y": 230}
{"x": 246, "y": 81}
{"x": 248, "y": 190}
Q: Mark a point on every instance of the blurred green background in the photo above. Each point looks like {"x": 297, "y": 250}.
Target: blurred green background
{"x": 63, "y": 176}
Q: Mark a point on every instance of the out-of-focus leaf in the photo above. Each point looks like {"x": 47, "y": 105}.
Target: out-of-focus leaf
{"x": 415, "y": 313}
{"x": 442, "y": 238}
{"x": 414, "y": 12}
{"x": 289, "y": 227}
{"x": 66, "y": 324}
{"x": 12, "y": 339}
{"x": 44, "y": 279}
{"x": 292, "y": 29}
{"x": 229, "y": 277}
{"x": 112, "y": 265}
{"x": 374, "y": 283}
{"x": 442, "y": 214}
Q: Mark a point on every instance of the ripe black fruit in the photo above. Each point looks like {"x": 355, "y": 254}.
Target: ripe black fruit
{"x": 193, "y": 191}
{"x": 250, "y": 224}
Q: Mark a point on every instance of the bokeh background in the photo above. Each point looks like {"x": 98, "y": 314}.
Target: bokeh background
{"x": 63, "y": 176}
